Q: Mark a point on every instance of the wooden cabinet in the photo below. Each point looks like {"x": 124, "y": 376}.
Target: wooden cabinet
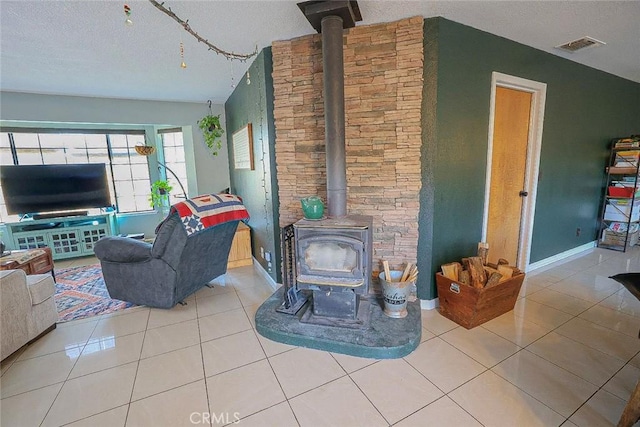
{"x": 66, "y": 236}
{"x": 36, "y": 264}
{"x": 240, "y": 253}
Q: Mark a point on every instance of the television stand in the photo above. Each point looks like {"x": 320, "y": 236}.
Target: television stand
{"x": 59, "y": 214}
{"x": 67, "y": 236}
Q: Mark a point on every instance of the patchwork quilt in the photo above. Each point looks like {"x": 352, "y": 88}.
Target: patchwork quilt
{"x": 209, "y": 210}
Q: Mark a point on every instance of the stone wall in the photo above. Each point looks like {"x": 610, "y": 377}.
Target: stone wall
{"x": 383, "y": 94}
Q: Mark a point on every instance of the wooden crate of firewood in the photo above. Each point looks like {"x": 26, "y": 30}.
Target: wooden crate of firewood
{"x": 472, "y": 292}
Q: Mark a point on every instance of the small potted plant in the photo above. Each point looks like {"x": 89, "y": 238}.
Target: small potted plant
{"x": 159, "y": 197}
{"x": 212, "y": 131}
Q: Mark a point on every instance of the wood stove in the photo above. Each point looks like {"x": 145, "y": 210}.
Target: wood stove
{"x": 333, "y": 255}
{"x": 333, "y": 260}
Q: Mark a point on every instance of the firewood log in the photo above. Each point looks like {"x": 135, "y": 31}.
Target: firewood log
{"x": 452, "y": 270}
{"x": 490, "y": 270}
{"x": 463, "y": 277}
{"x": 476, "y": 271}
{"x": 506, "y": 271}
{"x": 483, "y": 251}
{"x": 494, "y": 279}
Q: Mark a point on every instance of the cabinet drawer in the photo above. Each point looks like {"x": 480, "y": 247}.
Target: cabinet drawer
{"x": 40, "y": 266}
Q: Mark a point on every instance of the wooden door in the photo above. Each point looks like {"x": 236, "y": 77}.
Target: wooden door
{"x": 508, "y": 168}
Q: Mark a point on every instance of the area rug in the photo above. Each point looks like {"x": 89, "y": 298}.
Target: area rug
{"x": 81, "y": 292}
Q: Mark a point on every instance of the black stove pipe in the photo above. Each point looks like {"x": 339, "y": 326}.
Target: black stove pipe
{"x": 333, "y": 80}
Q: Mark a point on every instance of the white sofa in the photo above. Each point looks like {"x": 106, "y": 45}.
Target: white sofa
{"x": 27, "y": 309}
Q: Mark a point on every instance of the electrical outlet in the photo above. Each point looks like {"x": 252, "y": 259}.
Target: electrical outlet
{"x": 578, "y": 231}
{"x": 261, "y": 252}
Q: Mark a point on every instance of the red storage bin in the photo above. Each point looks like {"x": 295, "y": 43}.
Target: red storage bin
{"x": 621, "y": 191}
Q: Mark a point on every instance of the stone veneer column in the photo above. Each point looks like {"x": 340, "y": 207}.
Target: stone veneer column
{"x": 383, "y": 94}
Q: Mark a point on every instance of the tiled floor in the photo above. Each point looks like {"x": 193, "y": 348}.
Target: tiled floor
{"x": 567, "y": 355}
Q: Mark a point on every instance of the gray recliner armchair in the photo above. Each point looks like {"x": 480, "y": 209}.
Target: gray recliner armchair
{"x": 164, "y": 273}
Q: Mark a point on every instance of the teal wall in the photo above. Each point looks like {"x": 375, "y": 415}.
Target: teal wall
{"x": 585, "y": 108}
{"x": 253, "y": 103}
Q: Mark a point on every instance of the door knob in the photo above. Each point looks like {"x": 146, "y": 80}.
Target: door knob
{"x": 523, "y": 194}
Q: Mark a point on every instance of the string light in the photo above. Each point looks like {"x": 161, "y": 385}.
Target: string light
{"x": 233, "y": 83}
{"x": 127, "y": 13}
{"x": 182, "y": 64}
{"x": 185, "y": 24}
{"x": 264, "y": 162}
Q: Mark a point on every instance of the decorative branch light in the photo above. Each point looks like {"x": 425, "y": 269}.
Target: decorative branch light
{"x": 127, "y": 14}
{"x": 185, "y": 24}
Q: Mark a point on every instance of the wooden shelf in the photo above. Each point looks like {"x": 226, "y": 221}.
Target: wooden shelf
{"x": 636, "y": 149}
{"x": 617, "y": 170}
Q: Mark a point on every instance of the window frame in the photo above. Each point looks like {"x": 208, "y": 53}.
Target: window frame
{"x": 181, "y": 179}
{"x": 107, "y": 133}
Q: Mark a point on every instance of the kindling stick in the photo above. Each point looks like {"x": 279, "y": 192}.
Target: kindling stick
{"x": 407, "y": 269}
{"x": 387, "y": 273}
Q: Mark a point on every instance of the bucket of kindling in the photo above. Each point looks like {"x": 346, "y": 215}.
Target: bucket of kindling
{"x": 395, "y": 294}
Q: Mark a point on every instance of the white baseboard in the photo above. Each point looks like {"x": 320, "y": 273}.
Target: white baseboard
{"x": 429, "y": 304}
{"x": 434, "y": 303}
{"x": 274, "y": 285}
{"x": 561, "y": 256}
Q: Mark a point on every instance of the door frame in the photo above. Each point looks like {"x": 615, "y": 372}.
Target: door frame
{"x": 538, "y": 92}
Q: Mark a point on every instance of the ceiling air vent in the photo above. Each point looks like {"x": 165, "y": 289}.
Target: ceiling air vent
{"x": 583, "y": 43}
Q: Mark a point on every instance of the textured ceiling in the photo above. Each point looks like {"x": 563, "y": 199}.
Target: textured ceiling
{"x": 83, "y": 47}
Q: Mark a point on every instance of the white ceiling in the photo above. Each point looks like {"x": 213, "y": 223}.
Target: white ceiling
{"x": 84, "y": 48}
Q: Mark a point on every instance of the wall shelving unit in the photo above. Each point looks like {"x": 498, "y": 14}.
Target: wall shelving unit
{"x": 620, "y": 213}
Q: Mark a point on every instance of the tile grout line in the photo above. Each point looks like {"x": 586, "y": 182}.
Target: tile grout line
{"x": 274, "y": 374}
{"x": 569, "y": 338}
{"x": 237, "y": 367}
{"x": 286, "y": 399}
{"x": 366, "y": 397}
{"x": 204, "y": 370}
{"x": 458, "y": 386}
{"x": 93, "y": 415}
{"x": 444, "y": 396}
{"x": 70, "y": 370}
{"x": 135, "y": 377}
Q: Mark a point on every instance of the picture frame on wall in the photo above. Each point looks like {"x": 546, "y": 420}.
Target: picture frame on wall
{"x": 243, "y": 148}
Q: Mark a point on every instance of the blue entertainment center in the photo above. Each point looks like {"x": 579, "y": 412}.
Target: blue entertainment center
{"x": 68, "y": 236}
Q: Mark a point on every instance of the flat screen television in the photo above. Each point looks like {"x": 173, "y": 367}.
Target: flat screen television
{"x": 30, "y": 189}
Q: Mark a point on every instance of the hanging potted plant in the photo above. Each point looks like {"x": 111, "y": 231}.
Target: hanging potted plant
{"x": 159, "y": 197}
{"x": 212, "y": 131}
